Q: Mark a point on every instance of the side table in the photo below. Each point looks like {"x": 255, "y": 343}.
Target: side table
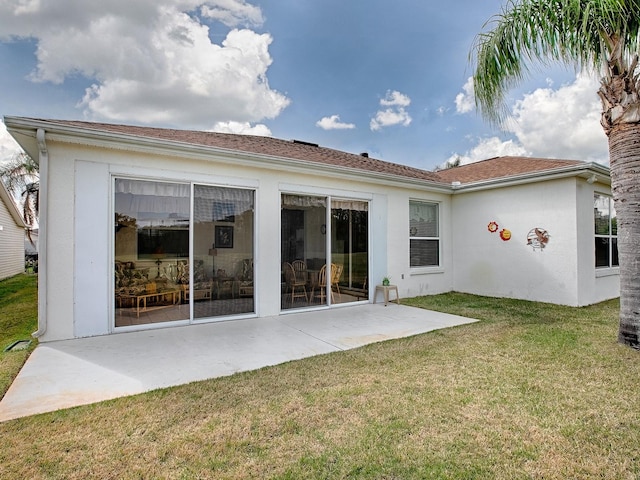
{"x": 385, "y": 289}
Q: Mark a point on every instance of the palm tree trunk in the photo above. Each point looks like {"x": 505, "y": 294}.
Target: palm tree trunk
{"x": 624, "y": 151}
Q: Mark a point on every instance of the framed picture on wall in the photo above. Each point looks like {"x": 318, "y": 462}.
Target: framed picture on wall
{"x": 224, "y": 236}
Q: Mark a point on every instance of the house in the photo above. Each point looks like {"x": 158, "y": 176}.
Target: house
{"x": 12, "y": 230}
{"x": 148, "y": 227}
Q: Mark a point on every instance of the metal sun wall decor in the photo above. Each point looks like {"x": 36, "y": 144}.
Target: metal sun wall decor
{"x": 505, "y": 234}
{"x": 537, "y": 238}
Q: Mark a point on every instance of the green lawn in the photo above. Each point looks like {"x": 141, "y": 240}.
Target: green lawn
{"x": 531, "y": 391}
{"x": 18, "y": 320}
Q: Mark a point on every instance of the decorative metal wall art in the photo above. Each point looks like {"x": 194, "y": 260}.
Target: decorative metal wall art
{"x": 537, "y": 238}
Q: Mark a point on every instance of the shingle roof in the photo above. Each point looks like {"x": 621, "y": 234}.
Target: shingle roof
{"x": 502, "y": 167}
{"x": 289, "y": 149}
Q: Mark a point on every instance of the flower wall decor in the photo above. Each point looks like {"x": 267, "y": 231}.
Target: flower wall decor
{"x": 505, "y": 235}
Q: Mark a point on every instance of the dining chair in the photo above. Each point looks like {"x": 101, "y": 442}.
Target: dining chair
{"x": 297, "y": 286}
{"x": 336, "y": 273}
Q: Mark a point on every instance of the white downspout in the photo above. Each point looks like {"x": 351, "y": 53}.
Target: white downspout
{"x": 43, "y": 162}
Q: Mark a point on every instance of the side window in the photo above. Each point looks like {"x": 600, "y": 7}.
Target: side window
{"x": 424, "y": 234}
{"x": 606, "y": 231}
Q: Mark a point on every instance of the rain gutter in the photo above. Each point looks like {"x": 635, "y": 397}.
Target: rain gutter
{"x": 43, "y": 168}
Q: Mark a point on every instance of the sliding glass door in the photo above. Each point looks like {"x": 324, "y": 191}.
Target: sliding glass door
{"x": 154, "y": 281}
{"x": 222, "y": 252}
{"x": 303, "y": 251}
{"x": 323, "y": 265}
{"x": 350, "y": 250}
{"x": 151, "y": 236}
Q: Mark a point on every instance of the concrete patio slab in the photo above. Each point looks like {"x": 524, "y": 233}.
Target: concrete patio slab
{"x": 77, "y": 372}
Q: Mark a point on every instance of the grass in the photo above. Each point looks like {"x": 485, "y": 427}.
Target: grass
{"x": 18, "y": 319}
{"x": 532, "y": 391}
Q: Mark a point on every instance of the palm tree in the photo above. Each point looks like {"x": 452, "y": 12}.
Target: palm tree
{"x": 595, "y": 35}
{"x": 21, "y": 177}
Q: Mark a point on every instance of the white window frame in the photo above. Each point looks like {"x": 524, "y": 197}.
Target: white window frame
{"x": 609, "y": 236}
{"x": 418, "y": 268}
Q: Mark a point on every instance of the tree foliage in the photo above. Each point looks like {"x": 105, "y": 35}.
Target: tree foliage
{"x": 21, "y": 176}
{"x": 594, "y": 35}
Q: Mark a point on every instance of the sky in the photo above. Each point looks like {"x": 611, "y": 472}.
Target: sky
{"x": 388, "y": 78}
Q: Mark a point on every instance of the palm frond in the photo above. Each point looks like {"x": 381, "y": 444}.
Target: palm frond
{"x": 21, "y": 176}
{"x": 581, "y": 33}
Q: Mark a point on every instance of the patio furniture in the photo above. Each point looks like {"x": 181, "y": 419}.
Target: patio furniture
{"x": 294, "y": 283}
{"x": 336, "y": 273}
{"x": 201, "y": 291}
{"x": 385, "y": 289}
{"x": 156, "y": 299}
{"x": 245, "y": 278}
{"x": 224, "y": 285}
{"x": 300, "y": 267}
{"x": 322, "y": 286}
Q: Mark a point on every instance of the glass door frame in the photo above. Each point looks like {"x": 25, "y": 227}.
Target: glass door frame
{"x": 190, "y": 320}
{"x": 328, "y": 197}
{"x": 368, "y": 202}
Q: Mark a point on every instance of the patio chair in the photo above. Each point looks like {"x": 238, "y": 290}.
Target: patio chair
{"x": 298, "y": 287}
{"x": 336, "y": 273}
{"x": 322, "y": 286}
{"x": 300, "y": 267}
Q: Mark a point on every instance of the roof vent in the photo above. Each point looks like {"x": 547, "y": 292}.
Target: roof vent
{"x": 301, "y": 142}
{"x": 364, "y": 154}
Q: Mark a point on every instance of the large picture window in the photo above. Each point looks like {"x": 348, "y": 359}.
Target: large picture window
{"x": 424, "y": 234}
{"x": 606, "y": 231}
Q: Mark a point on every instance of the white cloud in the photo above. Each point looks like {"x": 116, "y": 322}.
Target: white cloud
{"x": 333, "y": 123}
{"x": 243, "y": 128}
{"x": 233, "y": 13}
{"x": 489, "y": 148}
{"x": 466, "y": 100}
{"x": 396, "y": 114}
{"x": 395, "y": 99}
{"x": 152, "y": 61}
{"x": 560, "y": 123}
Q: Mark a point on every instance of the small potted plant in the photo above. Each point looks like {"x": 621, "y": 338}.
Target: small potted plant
{"x": 386, "y": 280}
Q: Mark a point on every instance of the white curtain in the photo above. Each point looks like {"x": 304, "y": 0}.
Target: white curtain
{"x": 140, "y": 199}
{"x": 350, "y": 205}
{"x": 303, "y": 201}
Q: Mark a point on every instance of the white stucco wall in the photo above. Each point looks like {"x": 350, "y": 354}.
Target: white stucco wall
{"x": 564, "y": 272}
{"x": 79, "y": 300}
{"x": 487, "y": 265}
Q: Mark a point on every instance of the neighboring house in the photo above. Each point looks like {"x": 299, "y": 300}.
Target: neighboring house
{"x": 12, "y": 230}
{"x": 147, "y": 227}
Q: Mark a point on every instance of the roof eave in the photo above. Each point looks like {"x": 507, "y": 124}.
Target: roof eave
{"x": 94, "y": 137}
{"x": 585, "y": 170}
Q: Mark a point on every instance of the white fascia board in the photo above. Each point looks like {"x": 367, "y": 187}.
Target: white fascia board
{"x": 98, "y": 138}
